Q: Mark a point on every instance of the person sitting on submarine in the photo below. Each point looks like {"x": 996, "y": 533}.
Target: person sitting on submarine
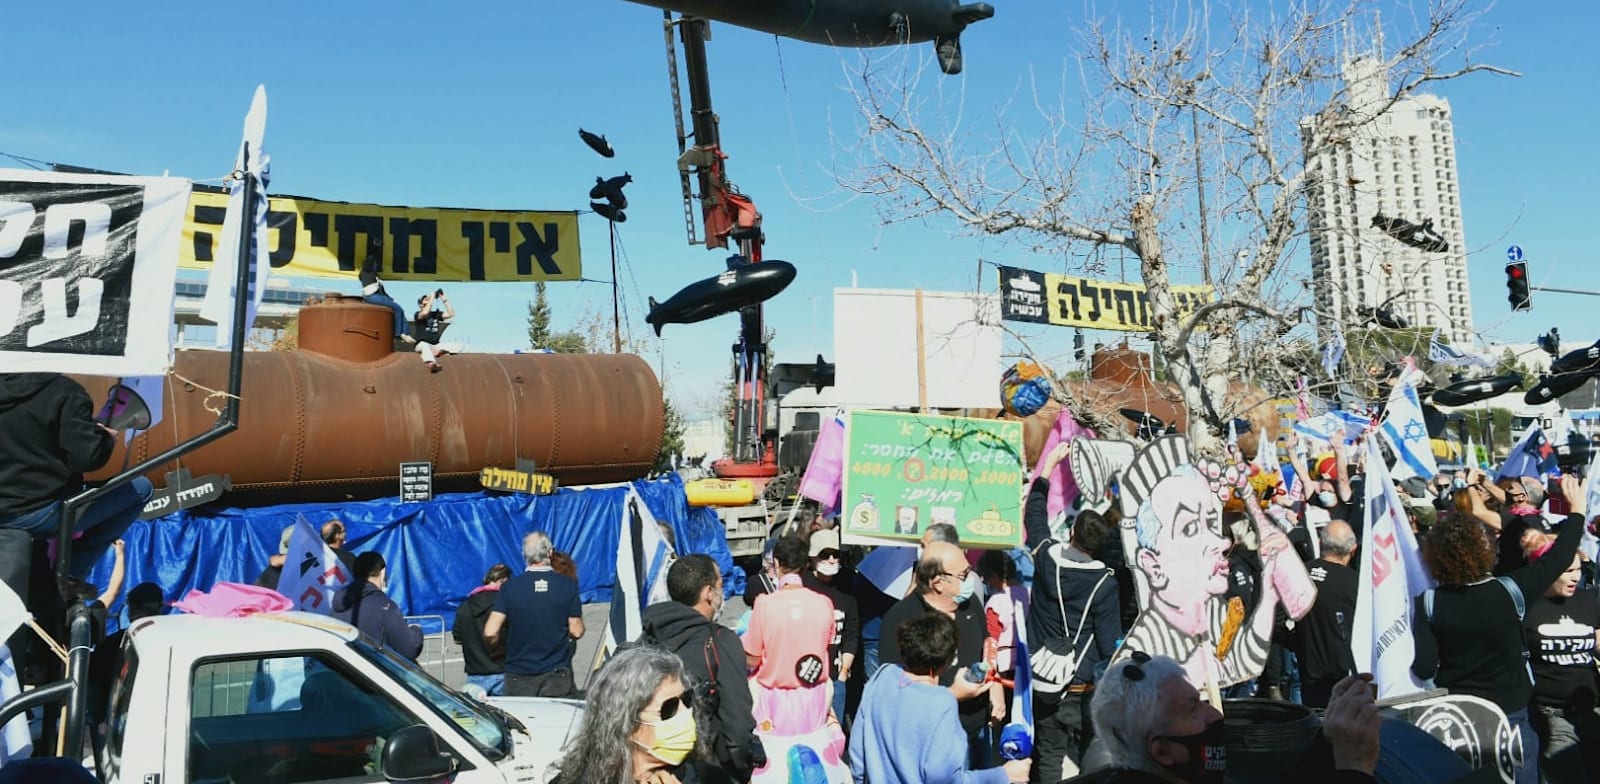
{"x": 428, "y": 325}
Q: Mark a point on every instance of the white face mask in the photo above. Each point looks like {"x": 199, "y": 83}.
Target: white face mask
{"x": 827, "y": 568}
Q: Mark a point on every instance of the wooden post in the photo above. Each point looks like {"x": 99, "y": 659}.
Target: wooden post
{"x": 922, "y": 360}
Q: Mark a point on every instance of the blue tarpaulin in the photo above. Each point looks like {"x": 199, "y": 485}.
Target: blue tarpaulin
{"x": 437, "y": 551}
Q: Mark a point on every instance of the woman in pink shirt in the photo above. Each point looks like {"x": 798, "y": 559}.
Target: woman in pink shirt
{"x": 787, "y": 648}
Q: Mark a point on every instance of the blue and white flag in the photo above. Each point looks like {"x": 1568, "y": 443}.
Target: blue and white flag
{"x": 1445, "y": 354}
{"x": 1591, "y": 544}
{"x": 253, "y": 164}
{"x": 1333, "y": 353}
{"x": 312, "y": 571}
{"x": 1321, "y": 428}
{"x": 1391, "y": 575}
{"x": 643, "y": 557}
{"x": 1407, "y": 433}
{"x": 1532, "y": 456}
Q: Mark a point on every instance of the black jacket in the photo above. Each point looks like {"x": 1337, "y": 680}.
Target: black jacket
{"x": 471, "y": 617}
{"x": 369, "y": 609}
{"x": 1068, "y": 594}
{"x": 682, "y": 630}
{"x": 48, "y": 440}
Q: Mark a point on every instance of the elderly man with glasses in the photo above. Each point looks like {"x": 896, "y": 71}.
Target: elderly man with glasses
{"x": 1157, "y": 727}
{"x": 945, "y": 583}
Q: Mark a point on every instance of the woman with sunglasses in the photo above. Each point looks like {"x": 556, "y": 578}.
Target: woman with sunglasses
{"x": 639, "y": 726}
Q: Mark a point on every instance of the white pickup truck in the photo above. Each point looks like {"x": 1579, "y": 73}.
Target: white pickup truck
{"x": 295, "y": 697}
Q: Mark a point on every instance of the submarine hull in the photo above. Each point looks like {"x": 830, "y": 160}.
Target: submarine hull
{"x": 849, "y": 23}
{"x": 314, "y": 426}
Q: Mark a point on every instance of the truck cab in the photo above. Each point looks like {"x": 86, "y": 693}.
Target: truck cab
{"x": 298, "y": 697}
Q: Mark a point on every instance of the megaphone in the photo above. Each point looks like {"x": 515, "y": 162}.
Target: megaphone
{"x": 124, "y": 409}
{"x": 1095, "y": 464}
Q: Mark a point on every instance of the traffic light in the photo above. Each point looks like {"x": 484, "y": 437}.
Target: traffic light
{"x": 1077, "y": 345}
{"x": 1517, "y": 292}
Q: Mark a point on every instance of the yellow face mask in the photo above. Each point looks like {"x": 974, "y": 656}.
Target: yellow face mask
{"x": 675, "y": 736}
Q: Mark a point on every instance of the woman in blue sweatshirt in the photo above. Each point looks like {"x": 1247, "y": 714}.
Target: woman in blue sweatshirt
{"x": 906, "y": 730}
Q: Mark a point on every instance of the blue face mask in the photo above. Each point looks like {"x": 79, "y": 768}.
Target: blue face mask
{"x": 969, "y": 587}
{"x": 1326, "y": 499}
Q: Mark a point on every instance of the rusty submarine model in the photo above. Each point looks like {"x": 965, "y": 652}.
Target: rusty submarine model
{"x": 335, "y": 418}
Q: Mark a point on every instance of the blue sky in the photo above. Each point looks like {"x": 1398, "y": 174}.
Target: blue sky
{"x": 477, "y": 105}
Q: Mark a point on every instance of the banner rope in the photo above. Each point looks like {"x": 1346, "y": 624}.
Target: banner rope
{"x": 213, "y": 393}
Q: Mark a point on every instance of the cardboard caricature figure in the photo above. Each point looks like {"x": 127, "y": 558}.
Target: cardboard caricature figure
{"x": 1177, "y": 548}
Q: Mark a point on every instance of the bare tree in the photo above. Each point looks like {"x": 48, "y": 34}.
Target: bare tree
{"x": 1191, "y": 147}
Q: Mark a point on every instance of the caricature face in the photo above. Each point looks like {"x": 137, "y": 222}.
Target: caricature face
{"x": 1191, "y": 548}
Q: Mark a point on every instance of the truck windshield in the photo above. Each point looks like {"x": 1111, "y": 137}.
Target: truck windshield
{"x": 482, "y": 726}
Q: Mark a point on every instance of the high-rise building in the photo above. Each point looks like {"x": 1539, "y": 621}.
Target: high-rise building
{"x": 1399, "y": 164}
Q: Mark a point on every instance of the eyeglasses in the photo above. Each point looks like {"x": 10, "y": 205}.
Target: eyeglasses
{"x": 1134, "y": 670}
{"x": 962, "y": 577}
{"x": 828, "y": 555}
{"x": 669, "y": 706}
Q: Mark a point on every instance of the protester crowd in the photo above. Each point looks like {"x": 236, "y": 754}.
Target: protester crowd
{"x": 1513, "y": 620}
{"x": 856, "y": 676}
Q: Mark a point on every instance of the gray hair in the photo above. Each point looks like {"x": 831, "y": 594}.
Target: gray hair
{"x": 943, "y": 532}
{"x": 1127, "y": 712}
{"x": 1535, "y": 490}
{"x": 536, "y": 548}
{"x": 625, "y": 684}
{"x": 1339, "y": 542}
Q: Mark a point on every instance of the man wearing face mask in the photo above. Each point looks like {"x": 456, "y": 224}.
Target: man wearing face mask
{"x": 1158, "y": 729}
{"x": 946, "y": 584}
{"x": 824, "y": 577}
{"x": 710, "y": 652}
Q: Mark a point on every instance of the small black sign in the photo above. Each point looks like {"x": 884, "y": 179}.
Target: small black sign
{"x": 185, "y": 492}
{"x": 416, "y": 482}
{"x": 1022, "y": 296}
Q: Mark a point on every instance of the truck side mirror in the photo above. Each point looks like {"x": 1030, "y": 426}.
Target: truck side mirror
{"x": 412, "y": 755}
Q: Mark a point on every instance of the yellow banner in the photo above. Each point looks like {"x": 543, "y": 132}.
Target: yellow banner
{"x": 1071, "y": 301}
{"x": 329, "y": 239}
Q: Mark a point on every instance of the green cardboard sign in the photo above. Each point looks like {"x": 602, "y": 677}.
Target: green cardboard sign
{"x": 904, "y": 472}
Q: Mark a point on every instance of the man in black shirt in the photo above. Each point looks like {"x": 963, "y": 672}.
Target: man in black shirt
{"x": 713, "y": 654}
{"x": 428, "y": 325}
{"x": 946, "y": 584}
{"x": 1321, "y": 640}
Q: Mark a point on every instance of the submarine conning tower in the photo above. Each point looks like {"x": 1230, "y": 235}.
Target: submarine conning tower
{"x": 334, "y": 418}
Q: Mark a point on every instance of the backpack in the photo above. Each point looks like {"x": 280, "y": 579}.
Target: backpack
{"x": 1517, "y": 601}
{"x": 707, "y": 698}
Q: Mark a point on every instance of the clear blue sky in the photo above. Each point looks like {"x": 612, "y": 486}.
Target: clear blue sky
{"x": 478, "y": 105}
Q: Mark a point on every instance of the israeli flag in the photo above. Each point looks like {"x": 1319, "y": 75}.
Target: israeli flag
{"x": 1407, "y": 433}
{"x": 1322, "y": 428}
{"x": 1333, "y": 353}
{"x": 252, "y": 163}
{"x": 1445, "y": 354}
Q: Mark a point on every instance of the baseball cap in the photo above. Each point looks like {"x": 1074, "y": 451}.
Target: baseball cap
{"x": 822, "y": 540}
{"x": 283, "y": 540}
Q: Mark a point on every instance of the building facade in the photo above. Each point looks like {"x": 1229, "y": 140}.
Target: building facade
{"x": 1400, "y": 164}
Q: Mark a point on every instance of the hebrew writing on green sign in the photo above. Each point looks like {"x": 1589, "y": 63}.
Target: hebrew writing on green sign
{"x": 905, "y": 472}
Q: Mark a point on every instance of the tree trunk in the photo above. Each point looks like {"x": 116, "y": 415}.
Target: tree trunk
{"x": 1168, "y": 333}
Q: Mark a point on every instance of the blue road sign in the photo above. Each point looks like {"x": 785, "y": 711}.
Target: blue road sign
{"x": 1514, "y": 253}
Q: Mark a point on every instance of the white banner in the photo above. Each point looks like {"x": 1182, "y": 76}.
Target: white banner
{"x": 87, "y": 270}
{"x": 312, "y": 572}
{"x": 1391, "y": 576}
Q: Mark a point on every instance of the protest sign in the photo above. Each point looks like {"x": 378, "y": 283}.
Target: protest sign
{"x": 904, "y": 472}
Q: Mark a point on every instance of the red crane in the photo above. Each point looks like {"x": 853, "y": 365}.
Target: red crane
{"x": 727, "y": 216}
